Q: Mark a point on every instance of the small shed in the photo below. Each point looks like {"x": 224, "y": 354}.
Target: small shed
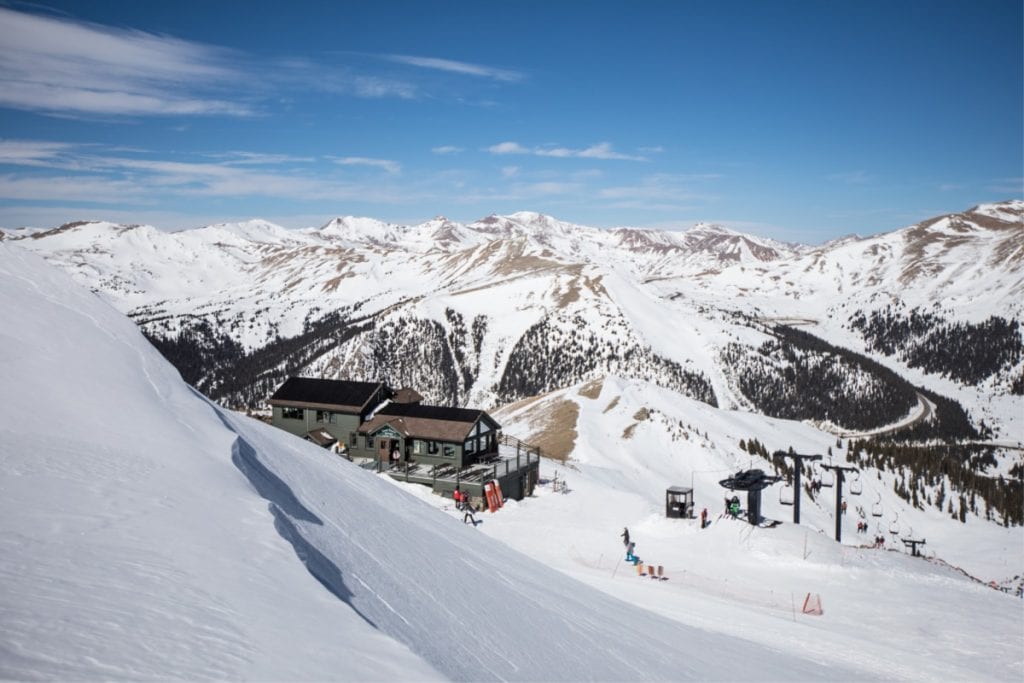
{"x": 679, "y": 502}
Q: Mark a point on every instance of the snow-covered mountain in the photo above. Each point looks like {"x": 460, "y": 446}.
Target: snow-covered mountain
{"x": 479, "y": 289}
{"x": 148, "y": 533}
{"x": 914, "y": 335}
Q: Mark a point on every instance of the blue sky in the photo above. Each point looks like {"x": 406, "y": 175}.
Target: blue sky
{"x": 800, "y": 121}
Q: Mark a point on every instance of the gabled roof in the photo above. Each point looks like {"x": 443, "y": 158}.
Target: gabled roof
{"x": 437, "y": 423}
{"x": 467, "y": 415}
{"x": 333, "y": 394}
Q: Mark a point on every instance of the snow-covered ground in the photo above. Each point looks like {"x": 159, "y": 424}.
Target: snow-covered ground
{"x": 147, "y": 534}
{"x": 887, "y": 613}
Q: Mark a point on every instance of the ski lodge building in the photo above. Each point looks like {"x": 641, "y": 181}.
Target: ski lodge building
{"x": 393, "y": 431}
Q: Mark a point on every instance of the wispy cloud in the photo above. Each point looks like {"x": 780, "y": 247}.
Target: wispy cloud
{"x": 71, "y": 68}
{"x": 601, "y": 150}
{"x": 392, "y": 167}
{"x": 31, "y": 152}
{"x": 261, "y": 158}
{"x": 507, "y": 148}
{"x": 94, "y": 173}
{"x": 447, "y": 149}
{"x": 453, "y": 66}
{"x": 661, "y": 192}
{"x": 1011, "y": 187}
{"x": 93, "y": 188}
{"x": 376, "y": 87}
{"x": 58, "y": 65}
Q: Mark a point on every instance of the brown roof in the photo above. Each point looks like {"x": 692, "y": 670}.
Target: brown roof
{"x": 420, "y": 428}
{"x": 407, "y": 395}
{"x": 320, "y": 436}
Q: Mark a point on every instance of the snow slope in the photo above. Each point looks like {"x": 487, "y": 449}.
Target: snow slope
{"x": 897, "y": 616}
{"x": 149, "y": 534}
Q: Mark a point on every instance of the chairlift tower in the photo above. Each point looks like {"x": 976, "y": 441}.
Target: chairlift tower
{"x": 753, "y": 482}
{"x": 912, "y": 543}
{"x": 840, "y": 471}
{"x": 798, "y": 461}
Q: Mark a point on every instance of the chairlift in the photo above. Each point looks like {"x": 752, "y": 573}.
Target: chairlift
{"x": 894, "y": 525}
{"x": 827, "y": 479}
{"x": 856, "y": 488}
{"x": 786, "y": 495}
{"x": 876, "y": 509}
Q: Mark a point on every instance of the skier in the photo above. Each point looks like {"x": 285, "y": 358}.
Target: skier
{"x": 625, "y": 536}
{"x": 703, "y": 518}
{"x": 844, "y": 507}
{"x": 468, "y": 517}
{"x": 458, "y": 498}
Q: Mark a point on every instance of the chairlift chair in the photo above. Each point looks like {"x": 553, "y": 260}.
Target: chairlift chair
{"x": 786, "y": 495}
{"x": 856, "y": 488}
{"x": 876, "y": 509}
{"x": 894, "y": 525}
{"x": 827, "y": 479}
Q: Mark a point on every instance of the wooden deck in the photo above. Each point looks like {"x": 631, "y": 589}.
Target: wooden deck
{"x": 445, "y": 478}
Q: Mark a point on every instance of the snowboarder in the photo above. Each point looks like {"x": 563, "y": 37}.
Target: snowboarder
{"x": 625, "y": 536}
{"x": 630, "y": 557}
{"x": 703, "y": 518}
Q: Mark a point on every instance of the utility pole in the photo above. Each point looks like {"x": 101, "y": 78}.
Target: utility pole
{"x": 840, "y": 471}
{"x": 798, "y": 461}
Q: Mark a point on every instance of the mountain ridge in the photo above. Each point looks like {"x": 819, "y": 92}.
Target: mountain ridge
{"x": 505, "y": 291}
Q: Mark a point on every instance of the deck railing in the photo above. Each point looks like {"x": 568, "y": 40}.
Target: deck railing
{"x": 520, "y": 445}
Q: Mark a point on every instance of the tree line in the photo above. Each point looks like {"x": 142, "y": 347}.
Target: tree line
{"x": 969, "y": 353}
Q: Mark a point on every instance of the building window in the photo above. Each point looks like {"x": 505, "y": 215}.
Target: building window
{"x": 482, "y": 428}
{"x": 291, "y": 413}
{"x": 432, "y": 447}
{"x": 469, "y": 447}
{"x": 369, "y": 442}
{"x": 449, "y": 451}
{"x": 352, "y": 443}
{"x": 322, "y": 416}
